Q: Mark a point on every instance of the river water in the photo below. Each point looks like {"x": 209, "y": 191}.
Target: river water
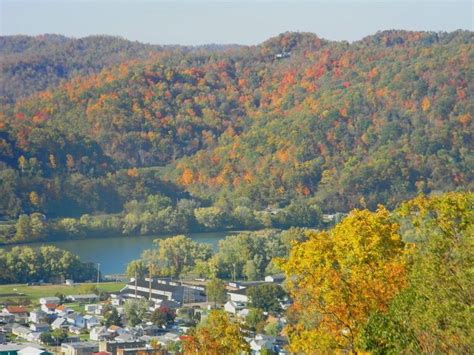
{"x": 114, "y": 253}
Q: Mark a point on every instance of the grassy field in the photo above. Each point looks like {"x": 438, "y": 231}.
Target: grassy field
{"x": 30, "y": 295}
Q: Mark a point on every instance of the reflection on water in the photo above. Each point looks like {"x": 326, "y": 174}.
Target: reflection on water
{"x": 115, "y": 253}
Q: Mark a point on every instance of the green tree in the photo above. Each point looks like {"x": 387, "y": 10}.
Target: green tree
{"x": 266, "y": 297}
{"x": 177, "y": 254}
{"x": 216, "y": 292}
{"x": 162, "y": 316}
{"x": 255, "y": 319}
{"x": 137, "y": 269}
{"x": 135, "y": 311}
{"x": 434, "y": 313}
{"x": 23, "y": 228}
{"x": 111, "y": 317}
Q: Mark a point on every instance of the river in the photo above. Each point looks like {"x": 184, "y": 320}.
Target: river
{"x": 114, "y": 253}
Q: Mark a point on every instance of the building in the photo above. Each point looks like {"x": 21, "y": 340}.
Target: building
{"x": 239, "y": 296}
{"x": 83, "y": 298}
{"x": 38, "y": 316}
{"x": 99, "y": 334}
{"x": 117, "y": 300}
{"x": 23, "y": 349}
{"x": 76, "y": 320}
{"x": 233, "y": 307}
{"x": 39, "y": 327}
{"x": 140, "y": 351}
{"x": 6, "y": 318}
{"x": 91, "y": 321}
{"x": 59, "y": 323}
{"x": 79, "y": 348}
{"x": 279, "y": 278}
{"x": 21, "y": 331}
{"x": 19, "y": 313}
{"x": 49, "y": 308}
{"x": 161, "y": 290}
{"x": 30, "y": 350}
{"x": 45, "y": 300}
{"x": 114, "y": 346}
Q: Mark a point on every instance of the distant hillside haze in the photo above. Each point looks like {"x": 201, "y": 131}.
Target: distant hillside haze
{"x": 296, "y": 117}
{"x": 31, "y": 64}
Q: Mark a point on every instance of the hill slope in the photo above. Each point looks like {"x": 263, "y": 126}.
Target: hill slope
{"x": 295, "y": 117}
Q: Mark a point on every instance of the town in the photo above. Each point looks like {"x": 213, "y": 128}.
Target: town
{"x": 146, "y": 316}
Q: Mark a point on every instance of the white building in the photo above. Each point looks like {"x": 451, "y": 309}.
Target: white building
{"x": 45, "y": 300}
{"x": 239, "y": 296}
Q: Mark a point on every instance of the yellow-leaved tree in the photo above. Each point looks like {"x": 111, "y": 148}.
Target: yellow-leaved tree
{"x": 218, "y": 335}
{"x": 338, "y": 277}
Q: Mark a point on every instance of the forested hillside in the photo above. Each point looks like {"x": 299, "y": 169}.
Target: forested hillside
{"x": 297, "y": 118}
{"x": 32, "y": 64}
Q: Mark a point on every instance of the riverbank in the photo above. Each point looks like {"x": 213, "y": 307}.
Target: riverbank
{"x": 114, "y": 253}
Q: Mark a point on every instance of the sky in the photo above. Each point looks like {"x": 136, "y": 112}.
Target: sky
{"x": 194, "y": 22}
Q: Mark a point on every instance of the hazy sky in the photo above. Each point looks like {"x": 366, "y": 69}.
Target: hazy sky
{"x": 242, "y": 22}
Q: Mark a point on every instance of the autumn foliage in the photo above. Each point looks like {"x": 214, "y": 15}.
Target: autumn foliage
{"x": 339, "y": 277}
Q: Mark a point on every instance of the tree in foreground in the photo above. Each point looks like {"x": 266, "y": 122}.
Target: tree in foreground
{"x": 218, "y": 335}
{"x": 337, "y": 278}
{"x": 434, "y": 313}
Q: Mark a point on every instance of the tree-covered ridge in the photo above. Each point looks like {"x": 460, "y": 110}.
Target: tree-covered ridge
{"x": 295, "y": 117}
{"x": 32, "y": 64}
{"x": 380, "y": 119}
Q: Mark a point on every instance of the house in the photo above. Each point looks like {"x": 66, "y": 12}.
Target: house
{"x": 116, "y": 330}
{"x": 74, "y": 330}
{"x": 233, "y": 307}
{"x": 6, "y": 317}
{"x": 39, "y": 327}
{"x": 261, "y": 342}
{"x": 59, "y": 323}
{"x": 6, "y": 328}
{"x": 239, "y": 295}
{"x": 279, "y": 278}
{"x": 136, "y": 351}
{"x": 99, "y": 334}
{"x": 76, "y": 320}
{"x": 24, "y": 349}
{"x": 114, "y": 346}
{"x": 21, "y": 331}
{"x": 167, "y": 338}
{"x": 45, "y": 300}
{"x": 30, "y": 350}
{"x": 116, "y": 300}
{"x": 34, "y": 337}
{"x": 83, "y": 298}
{"x": 243, "y": 313}
{"x": 162, "y": 289}
{"x": 124, "y": 338}
{"x": 79, "y": 348}
{"x": 38, "y": 316}
{"x": 63, "y": 311}
{"x": 100, "y": 309}
{"x": 91, "y": 321}
{"x": 19, "y": 312}
{"x": 49, "y": 308}
{"x": 91, "y": 308}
